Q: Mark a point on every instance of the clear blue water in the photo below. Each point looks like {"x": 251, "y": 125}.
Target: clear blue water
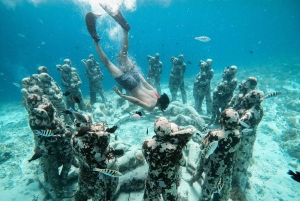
{"x": 268, "y": 28}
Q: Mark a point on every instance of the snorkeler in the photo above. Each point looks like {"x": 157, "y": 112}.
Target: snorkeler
{"x": 142, "y": 93}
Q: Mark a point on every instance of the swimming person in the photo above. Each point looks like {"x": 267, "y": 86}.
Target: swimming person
{"x": 142, "y": 93}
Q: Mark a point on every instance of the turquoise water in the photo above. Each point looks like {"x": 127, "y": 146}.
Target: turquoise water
{"x": 260, "y": 37}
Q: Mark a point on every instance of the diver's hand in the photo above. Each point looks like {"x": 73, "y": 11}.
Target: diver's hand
{"x": 118, "y": 91}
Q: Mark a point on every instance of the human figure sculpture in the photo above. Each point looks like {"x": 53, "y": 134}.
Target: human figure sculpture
{"x": 177, "y": 78}
{"x": 245, "y": 87}
{"x": 163, "y": 154}
{"x": 54, "y": 94}
{"x": 217, "y": 157}
{"x": 223, "y": 93}
{"x": 42, "y": 69}
{"x": 90, "y": 144}
{"x": 251, "y": 113}
{"x": 71, "y": 81}
{"x": 202, "y": 86}
{"x": 95, "y": 76}
{"x": 52, "y": 140}
{"x": 154, "y": 72}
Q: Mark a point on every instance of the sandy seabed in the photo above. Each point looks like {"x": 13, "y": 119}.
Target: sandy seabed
{"x": 275, "y": 150}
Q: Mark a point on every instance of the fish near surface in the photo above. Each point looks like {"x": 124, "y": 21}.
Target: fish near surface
{"x": 211, "y": 148}
{"x": 203, "y": 38}
{"x": 108, "y": 172}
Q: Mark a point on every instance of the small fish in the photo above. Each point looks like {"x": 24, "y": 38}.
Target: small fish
{"x": 1, "y": 73}
{"x": 112, "y": 129}
{"x": 139, "y": 113}
{"x": 251, "y": 52}
{"x": 295, "y": 176}
{"x": 37, "y": 154}
{"x": 220, "y": 186}
{"x": 111, "y": 173}
{"x": 21, "y": 35}
{"x": 44, "y": 133}
{"x": 79, "y": 117}
{"x": 135, "y": 116}
{"x": 67, "y": 93}
{"x": 211, "y": 148}
{"x": 16, "y": 84}
{"x": 188, "y": 62}
{"x": 247, "y": 130}
{"x": 118, "y": 152}
{"x": 272, "y": 94}
{"x": 75, "y": 99}
{"x": 147, "y": 131}
{"x": 43, "y": 43}
{"x": 67, "y": 112}
{"x": 203, "y": 38}
{"x": 244, "y": 124}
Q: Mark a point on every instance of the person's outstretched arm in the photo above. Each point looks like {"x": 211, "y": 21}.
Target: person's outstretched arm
{"x": 133, "y": 100}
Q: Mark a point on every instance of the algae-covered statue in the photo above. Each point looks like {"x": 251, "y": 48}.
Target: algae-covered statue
{"x": 154, "y": 72}
{"x": 217, "y": 157}
{"x": 54, "y": 94}
{"x": 95, "y": 76}
{"x": 245, "y": 87}
{"x": 98, "y": 175}
{"x": 163, "y": 154}
{"x": 202, "y": 86}
{"x": 52, "y": 143}
{"x": 251, "y": 113}
{"x": 177, "y": 78}
{"x": 223, "y": 93}
{"x": 71, "y": 81}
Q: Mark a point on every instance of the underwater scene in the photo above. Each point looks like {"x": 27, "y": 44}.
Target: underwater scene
{"x": 150, "y": 100}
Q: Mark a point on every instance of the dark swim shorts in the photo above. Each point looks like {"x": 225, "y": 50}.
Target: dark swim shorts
{"x": 129, "y": 80}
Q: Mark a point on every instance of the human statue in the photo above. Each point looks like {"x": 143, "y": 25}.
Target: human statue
{"x": 177, "y": 78}
{"x": 95, "y": 76}
{"x": 154, "y": 72}
{"x": 71, "y": 81}
{"x": 223, "y": 93}
{"x": 53, "y": 92}
{"x": 164, "y": 156}
{"x": 52, "y": 143}
{"x": 244, "y": 87}
{"x": 217, "y": 158}
{"x": 251, "y": 113}
{"x": 97, "y": 161}
{"x": 202, "y": 86}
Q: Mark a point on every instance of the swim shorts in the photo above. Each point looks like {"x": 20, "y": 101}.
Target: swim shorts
{"x": 129, "y": 80}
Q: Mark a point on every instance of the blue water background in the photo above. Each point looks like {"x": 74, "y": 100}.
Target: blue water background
{"x": 271, "y": 29}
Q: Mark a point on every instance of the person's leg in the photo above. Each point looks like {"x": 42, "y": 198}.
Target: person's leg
{"x": 208, "y": 101}
{"x": 112, "y": 69}
{"x": 183, "y": 92}
{"x": 125, "y": 61}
